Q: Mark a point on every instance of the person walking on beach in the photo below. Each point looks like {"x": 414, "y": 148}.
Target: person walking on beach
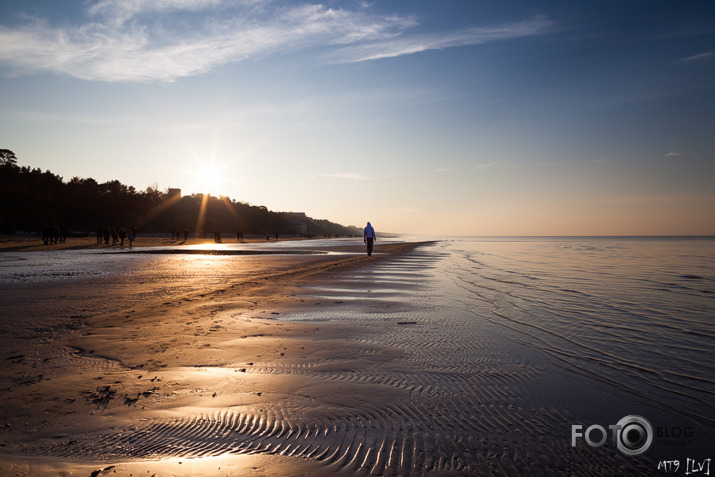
{"x": 368, "y": 236}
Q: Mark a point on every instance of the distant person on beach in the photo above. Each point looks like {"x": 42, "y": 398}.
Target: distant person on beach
{"x": 368, "y": 236}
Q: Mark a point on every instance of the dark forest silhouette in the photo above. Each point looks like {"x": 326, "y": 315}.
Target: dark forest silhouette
{"x": 31, "y": 200}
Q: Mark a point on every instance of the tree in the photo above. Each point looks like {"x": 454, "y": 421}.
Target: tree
{"x": 7, "y": 157}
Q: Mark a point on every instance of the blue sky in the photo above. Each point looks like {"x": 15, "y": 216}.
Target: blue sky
{"x": 439, "y": 117}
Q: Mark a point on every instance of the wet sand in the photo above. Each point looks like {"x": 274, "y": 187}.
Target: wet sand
{"x": 12, "y": 243}
{"x": 116, "y": 376}
{"x": 285, "y": 365}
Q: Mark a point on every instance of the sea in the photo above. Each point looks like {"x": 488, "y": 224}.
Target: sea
{"x": 521, "y": 355}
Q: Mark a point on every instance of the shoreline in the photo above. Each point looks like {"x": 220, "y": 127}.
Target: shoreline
{"x": 11, "y": 243}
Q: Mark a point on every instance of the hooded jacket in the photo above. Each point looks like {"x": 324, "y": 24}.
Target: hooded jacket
{"x": 368, "y": 232}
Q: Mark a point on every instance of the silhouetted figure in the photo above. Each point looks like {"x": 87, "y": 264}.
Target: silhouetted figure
{"x": 368, "y": 236}
{"x": 63, "y": 233}
{"x": 107, "y": 234}
{"x": 99, "y": 234}
{"x": 186, "y": 234}
{"x": 122, "y": 235}
{"x": 131, "y": 235}
{"x": 268, "y": 237}
{"x": 46, "y": 235}
{"x": 239, "y": 236}
{"x": 217, "y": 237}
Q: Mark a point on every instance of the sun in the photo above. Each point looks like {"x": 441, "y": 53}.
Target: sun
{"x": 209, "y": 179}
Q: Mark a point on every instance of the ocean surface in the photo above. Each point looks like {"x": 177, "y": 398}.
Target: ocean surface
{"x": 507, "y": 344}
{"x": 635, "y": 313}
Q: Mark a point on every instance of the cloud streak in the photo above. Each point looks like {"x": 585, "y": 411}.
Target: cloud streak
{"x": 411, "y": 44}
{"x": 162, "y": 40}
{"x": 708, "y": 55}
{"x": 119, "y": 11}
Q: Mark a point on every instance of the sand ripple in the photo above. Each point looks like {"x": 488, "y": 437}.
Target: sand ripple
{"x": 455, "y": 401}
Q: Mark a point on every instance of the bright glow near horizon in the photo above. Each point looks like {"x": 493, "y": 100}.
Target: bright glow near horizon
{"x": 209, "y": 180}
{"x": 460, "y": 118}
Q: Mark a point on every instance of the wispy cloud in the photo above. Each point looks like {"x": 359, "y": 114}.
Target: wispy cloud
{"x": 161, "y": 40}
{"x": 708, "y": 55}
{"x": 674, "y": 154}
{"x": 142, "y": 40}
{"x": 410, "y": 44}
{"x": 119, "y": 11}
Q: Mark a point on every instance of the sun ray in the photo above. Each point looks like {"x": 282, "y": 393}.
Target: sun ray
{"x": 202, "y": 214}
{"x": 171, "y": 200}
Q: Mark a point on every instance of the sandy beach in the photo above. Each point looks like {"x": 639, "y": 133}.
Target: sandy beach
{"x": 86, "y": 359}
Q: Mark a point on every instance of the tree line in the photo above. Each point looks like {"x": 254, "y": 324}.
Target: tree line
{"x": 31, "y": 200}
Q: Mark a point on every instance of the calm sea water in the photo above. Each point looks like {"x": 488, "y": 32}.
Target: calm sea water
{"x": 638, "y": 312}
{"x": 634, "y": 317}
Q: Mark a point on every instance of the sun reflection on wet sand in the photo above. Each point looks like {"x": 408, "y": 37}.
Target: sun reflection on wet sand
{"x": 153, "y": 351}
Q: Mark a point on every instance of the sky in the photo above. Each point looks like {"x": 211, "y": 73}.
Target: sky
{"x": 450, "y": 117}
